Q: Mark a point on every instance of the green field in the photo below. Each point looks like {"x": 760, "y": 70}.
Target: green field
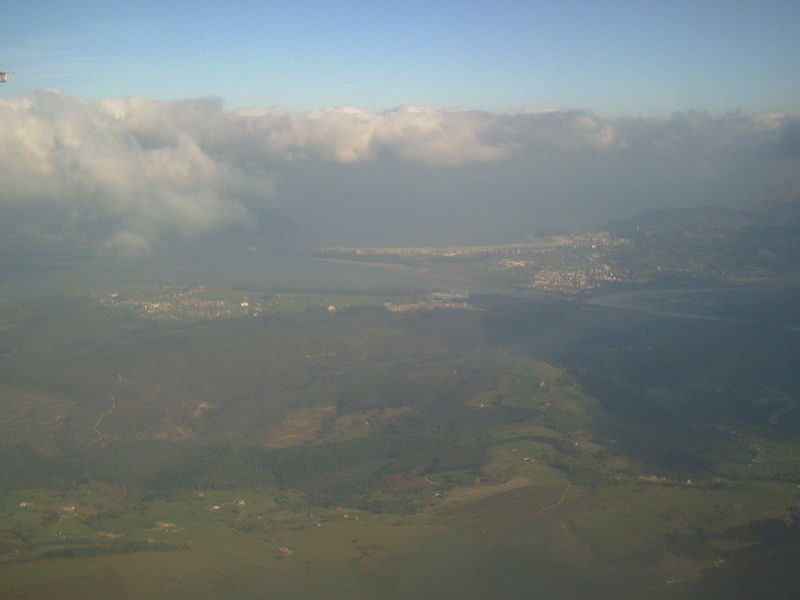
{"x": 150, "y": 447}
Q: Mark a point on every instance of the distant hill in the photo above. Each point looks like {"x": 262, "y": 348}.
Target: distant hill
{"x": 719, "y": 243}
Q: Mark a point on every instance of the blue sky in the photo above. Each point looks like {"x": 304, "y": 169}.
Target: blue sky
{"x": 616, "y": 58}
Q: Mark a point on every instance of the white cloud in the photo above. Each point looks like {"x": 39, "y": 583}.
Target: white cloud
{"x": 135, "y": 170}
{"x": 57, "y": 150}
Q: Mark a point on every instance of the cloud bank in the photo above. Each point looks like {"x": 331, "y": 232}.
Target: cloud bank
{"x": 134, "y": 171}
